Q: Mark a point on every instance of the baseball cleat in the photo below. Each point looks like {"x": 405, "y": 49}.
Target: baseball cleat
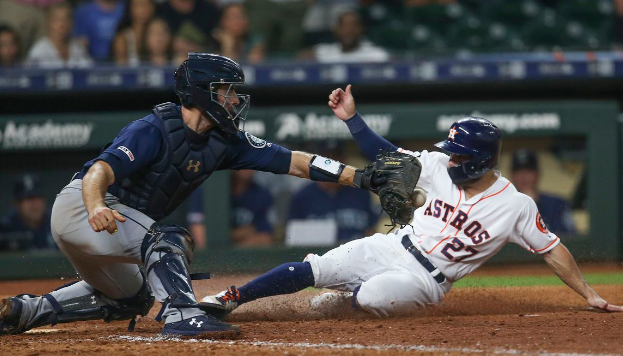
{"x": 221, "y": 304}
{"x": 10, "y": 312}
{"x": 202, "y": 325}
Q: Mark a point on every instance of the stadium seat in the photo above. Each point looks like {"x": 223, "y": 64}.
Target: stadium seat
{"x": 395, "y": 35}
{"x": 425, "y": 40}
{"x": 514, "y": 13}
{"x": 483, "y": 36}
{"x": 545, "y": 33}
{"x": 470, "y": 32}
{"x": 591, "y": 13}
{"x": 437, "y": 17}
{"x": 579, "y": 37}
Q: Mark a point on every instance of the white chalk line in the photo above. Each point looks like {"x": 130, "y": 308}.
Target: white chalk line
{"x": 307, "y": 345}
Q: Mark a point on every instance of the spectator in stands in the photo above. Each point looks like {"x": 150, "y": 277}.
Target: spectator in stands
{"x": 351, "y": 46}
{"x": 158, "y": 43}
{"x": 127, "y": 45}
{"x": 95, "y": 23}
{"x": 554, "y": 210}
{"x": 251, "y": 209}
{"x": 58, "y": 49}
{"x": 320, "y": 19}
{"x": 251, "y": 205}
{"x": 234, "y": 38}
{"x": 26, "y": 18}
{"x": 9, "y": 47}
{"x": 201, "y": 14}
{"x": 353, "y": 210}
{"x": 195, "y": 218}
{"x": 27, "y": 226}
{"x": 189, "y": 38}
{"x": 279, "y": 24}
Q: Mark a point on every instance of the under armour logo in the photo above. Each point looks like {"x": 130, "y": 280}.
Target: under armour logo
{"x": 195, "y": 166}
{"x": 194, "y": 321}
{"x": 93, "y": 301}
{"x": 452, "y": 133}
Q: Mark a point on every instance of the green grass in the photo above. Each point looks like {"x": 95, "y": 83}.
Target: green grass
{"x": 523, "y": 281}
{"x": 526, "y": 281}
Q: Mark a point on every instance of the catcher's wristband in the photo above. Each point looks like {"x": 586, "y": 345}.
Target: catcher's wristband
{"x": 322, "y": 169}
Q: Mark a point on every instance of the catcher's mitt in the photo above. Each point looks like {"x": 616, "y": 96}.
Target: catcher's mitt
{"x": 393, "y": 176}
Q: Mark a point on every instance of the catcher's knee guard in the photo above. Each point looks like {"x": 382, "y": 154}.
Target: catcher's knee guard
{"x": 167, "y": 250}
{"x": 94, "y": 306}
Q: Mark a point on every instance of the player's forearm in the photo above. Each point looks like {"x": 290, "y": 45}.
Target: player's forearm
{"x": 95, "y": 183}
{"x": 300, "y": 167}
{"x": 560, "y": 260}
{"x": 369, "y": 142}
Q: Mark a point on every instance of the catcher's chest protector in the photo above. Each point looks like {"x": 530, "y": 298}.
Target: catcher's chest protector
{"x": 187, "y": 160}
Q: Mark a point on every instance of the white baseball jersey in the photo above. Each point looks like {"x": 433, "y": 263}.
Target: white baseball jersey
{"x": 458, "y": 234}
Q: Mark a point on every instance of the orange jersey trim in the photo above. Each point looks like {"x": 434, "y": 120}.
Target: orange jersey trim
{"x": 483, "y": 198}
{"x": 546, "y": 247}
{"x": 454, "y": 211}
{"x": 439, "y": 243}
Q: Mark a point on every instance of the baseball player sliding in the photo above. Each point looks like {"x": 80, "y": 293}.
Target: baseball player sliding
{"x": 104, "y": 220}
{"x": 470, "y": 213}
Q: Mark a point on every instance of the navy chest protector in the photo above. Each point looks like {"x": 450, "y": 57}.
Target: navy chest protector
{"x": 186, "y": 160}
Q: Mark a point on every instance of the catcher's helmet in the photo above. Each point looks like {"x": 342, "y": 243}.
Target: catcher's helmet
{"x": 196, "y": 82}
{"x": 475, "y": 137}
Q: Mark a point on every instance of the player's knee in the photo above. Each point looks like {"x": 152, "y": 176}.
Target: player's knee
{"x": 167, "y": 239}
{"x": 313, "y": 261}
{"x": 370, "y": 301}
{"x": 382, "y": 302}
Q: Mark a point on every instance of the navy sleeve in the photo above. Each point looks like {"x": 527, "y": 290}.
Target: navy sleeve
{"x": 136, "y": 146}
{"x": 368, "y": 141}
{"x": 250, "y": 152}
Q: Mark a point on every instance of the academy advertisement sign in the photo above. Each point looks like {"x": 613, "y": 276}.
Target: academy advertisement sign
{"x": 314, "y": 126}
{"x": 47, "y": 134}
{"x": 509, "y": 122}
{"x": 312, "y": 123}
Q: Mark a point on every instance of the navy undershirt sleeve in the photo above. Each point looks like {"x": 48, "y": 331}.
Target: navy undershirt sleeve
{"x": 368, "y": 141}
{"x": 136, "y": 146}
{"x": 260, "y": 156}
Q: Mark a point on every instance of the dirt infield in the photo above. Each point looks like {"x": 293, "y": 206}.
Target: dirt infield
{"x": 471, "y": 321}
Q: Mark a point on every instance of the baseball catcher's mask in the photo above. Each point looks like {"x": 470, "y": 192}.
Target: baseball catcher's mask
{"x": 209, "y": 82}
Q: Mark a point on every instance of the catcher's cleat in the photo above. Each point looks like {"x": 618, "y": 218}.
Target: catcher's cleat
{"x": 203, "y": 325}
{"x": 10, "y": 312}
{"x": 221, "y": 304}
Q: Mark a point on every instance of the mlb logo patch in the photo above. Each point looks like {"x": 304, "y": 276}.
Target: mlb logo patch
{"x": 127, "y": 152}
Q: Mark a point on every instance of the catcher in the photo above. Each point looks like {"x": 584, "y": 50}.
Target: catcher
{"x": 470, "y": 212}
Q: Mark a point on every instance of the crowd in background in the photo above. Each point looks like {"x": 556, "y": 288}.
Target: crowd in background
{"x": 62, "y": 33}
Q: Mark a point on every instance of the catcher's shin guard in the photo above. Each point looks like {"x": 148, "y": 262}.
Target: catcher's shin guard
{"x": 26, "y": 311}
{"x": 167, "y": 251}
